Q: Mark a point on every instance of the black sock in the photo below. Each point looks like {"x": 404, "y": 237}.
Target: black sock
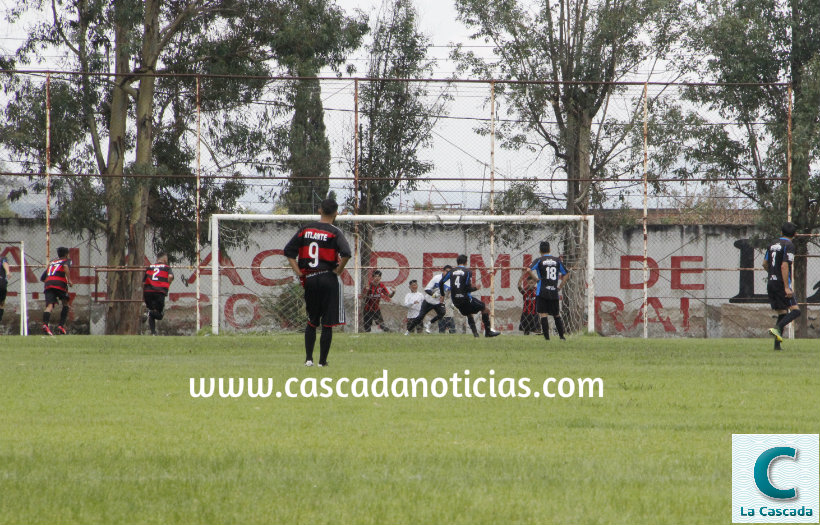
{"x": 63, "y": 315}
{"x": 485, "y": 318}
{"x": 779, "y": 318}
{"x": 788, "y": 318}
{"x": 1, "y": 313}
{"x": 471, "y": 322}
{"x": 46, "y": 317}
{"x": 310, "y": 342}
{"x": 545, "y": 327}
{"x": 152, "y": 324}
{"x": 559, "y": 325}
{"x": 324, "y": 344}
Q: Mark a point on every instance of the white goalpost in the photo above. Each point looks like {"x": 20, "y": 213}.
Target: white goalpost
{"x": 15, "y": 255}
{"x": 404, "y": 246}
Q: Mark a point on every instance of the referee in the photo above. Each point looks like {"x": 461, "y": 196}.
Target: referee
{"x": 318, "y": 254}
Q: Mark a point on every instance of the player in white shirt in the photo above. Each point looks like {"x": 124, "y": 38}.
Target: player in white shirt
{"x": 413, "y": 301}
{"x": 432, "y": 301}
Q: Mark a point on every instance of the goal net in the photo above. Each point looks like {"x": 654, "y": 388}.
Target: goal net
{"x": 254, "y": 289}
{"x": 13, "y": 282}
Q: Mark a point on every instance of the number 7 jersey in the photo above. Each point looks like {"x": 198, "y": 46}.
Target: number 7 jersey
{"x": 550, "y": 270}
{"x": 317, "y": 247}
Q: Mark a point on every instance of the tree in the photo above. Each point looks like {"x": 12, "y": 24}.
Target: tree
{"x": 580, "y": 47}
{"x": 776, "y": 43}
{"x": 317, "y": 34}
{"x": 397, "y": 119}
{"x": 93, "y": 131}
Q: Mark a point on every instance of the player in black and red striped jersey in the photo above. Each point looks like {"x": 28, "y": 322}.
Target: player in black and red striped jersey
{"x": 57, "y": 279}
{"x": 158, "y": 279}
{"x": 318, "y": 254}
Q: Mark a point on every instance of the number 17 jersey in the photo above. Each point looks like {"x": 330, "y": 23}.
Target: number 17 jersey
{"x": 550, "y": 270}
{"x": 317, "y": 247}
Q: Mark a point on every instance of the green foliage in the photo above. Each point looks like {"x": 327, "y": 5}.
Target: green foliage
{"x": 397, "y": 121}
{"x": 581, "y": 47}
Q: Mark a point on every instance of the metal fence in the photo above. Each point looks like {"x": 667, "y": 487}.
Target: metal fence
{"x": 479, "y": 155}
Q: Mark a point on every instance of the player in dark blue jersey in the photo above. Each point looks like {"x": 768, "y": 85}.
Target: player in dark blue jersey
{"x": 461, "y": 289}
{"x": 551, "y": 275}
{"x": 778, "y": 264}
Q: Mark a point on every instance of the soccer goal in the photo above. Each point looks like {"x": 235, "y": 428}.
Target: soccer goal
{"x": 15, "y": 254}
{"x": 254, "y": 289}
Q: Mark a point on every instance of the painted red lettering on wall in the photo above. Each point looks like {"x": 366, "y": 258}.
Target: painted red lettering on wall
{"x": 502, "y": 261}
{"x": 401, "y": 262}
{"x": 428, "y": 260}
{"x": 627, "y": 269}
{"x": 226, "y": 268}
{"x": 677, "y": 271}
{"x": 256, "y": 271}
{"x": 231, "y": 307}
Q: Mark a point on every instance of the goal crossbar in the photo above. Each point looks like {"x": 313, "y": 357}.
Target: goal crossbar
{"x": 403, "y": 219}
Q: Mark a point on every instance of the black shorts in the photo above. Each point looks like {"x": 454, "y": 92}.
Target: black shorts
{"x": 154, "y": 301}
{"x": 3, "y": 291}
{"x": 324, "y": 299}
{"x": 55, "y": 294}
{"x": 777, "y": 296}
{"x": 470, "y": 306}
{"x": 547, "y": 306}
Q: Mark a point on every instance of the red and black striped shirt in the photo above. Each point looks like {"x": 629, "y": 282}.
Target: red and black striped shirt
{"x": 317, "y": 247}
{"x": 529, "y": 300}
{"x": 56, "y": 275}
{"x": 157, "y": 278}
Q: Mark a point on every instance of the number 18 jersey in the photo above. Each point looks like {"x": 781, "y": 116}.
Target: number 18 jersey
{"x": 317, "y": 247}
{"x": 550, "y": 270}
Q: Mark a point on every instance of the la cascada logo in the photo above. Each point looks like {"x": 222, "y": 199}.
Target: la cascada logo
{"x": 775, "y": 478}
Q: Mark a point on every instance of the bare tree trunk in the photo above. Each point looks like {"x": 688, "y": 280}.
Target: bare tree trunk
{"x": 118, "y": 287}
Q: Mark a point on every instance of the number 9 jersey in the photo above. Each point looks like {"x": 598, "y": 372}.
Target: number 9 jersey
{"x": 317, "y": 247}
{"x": 550, "y": 269}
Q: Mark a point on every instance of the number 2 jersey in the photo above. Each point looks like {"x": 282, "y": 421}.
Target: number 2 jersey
{"x": 778, "y": 254}
{"x": 317, "y": 247}
{"x": 550, "y": 270}
{"x": 157, "y": 279}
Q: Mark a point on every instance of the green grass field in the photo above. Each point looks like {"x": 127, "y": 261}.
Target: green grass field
{"x": 104, "y": 430}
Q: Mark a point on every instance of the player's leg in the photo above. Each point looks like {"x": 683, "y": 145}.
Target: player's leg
{"x": 368, "y": 320}
{"x": 333, "y": 313}
{"x": 313, "y": 308}
{"x": 380, "y": 321}
{"x": 555, "y": 312}
{"x": 419, "y": 319}
{"x": 63, "y": 314}
{"x": 441, "y": 310}
{"x": 485, "y": 317}
{"x": 51, "y": 300}
{"x": 3, "y": 292}
{"x": 542, "y": 308}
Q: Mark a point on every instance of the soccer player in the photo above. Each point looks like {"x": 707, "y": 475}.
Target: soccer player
{"x": 551, "y": 275}
{"x": 461, "y": 289}
{"x": 433, "y": 300}
{"x": 778, "y": 263}
{"x": 318, "y": 254}
{"x": 4, "y": 282}
{"x": 57, "y": 280}
{"x": 158, "y": 279}
{"x": 376, "y": 291}
{"x": 529, "y": 318}
{"x": 412, "y": 300}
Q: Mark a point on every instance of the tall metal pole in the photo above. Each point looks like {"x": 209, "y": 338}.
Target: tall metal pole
{"x": 789, "y": 159}
{"x": 492, "y": 205}
{"x": 357, "y": 239}
{"x": 198, "y": 196}
{"x": 645, "y": 209}
{"x": 214, "y": 230}
{"x": 48, "y": 166}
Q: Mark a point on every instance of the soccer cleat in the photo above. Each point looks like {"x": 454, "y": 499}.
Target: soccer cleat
{"x": 777, "y": 335}
{"x": 309, "y": 363}
{"x": 406, "y": 332}
{"x": 491, "y": 333}
{"x": 322, "y": 365}
{"x": 475, "y": 334}
{"x": 47, "y": 330}
{"x": 61, "y": 330}
{"x": 427, "y": 328}
{"x": 562, "y": 338}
